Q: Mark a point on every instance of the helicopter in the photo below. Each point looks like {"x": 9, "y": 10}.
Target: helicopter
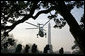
{"x": 41, "y": 32}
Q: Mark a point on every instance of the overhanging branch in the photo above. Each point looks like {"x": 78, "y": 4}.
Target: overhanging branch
{"x": 26, "y": 17}
{"x": 43, "y": 11}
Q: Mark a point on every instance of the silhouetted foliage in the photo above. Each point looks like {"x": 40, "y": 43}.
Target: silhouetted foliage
{"x": 76, "y": 46}
{"x": 61, "y": 51}
{"x": 5, "y": 34}
{"x": 76, "y": 49}
{"x": 9, "y": 42}
{"x": 59, "y": 23}
{"x": 18, "y": 48}
{"x": 82, "y": 22}
{"x": 12, "y": 10}
{"x": 34, "y": 48}
{"x": 5, "y": 45}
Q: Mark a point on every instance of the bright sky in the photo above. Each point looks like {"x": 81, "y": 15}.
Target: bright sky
{"x": 60, "y": 37}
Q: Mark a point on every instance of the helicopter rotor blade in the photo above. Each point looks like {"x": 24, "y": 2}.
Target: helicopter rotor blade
{"x": 46, "y": 22}
{"x": 31, "y": 28}
{"x": 31, "y": 24}
{"x": 44, "y": 29}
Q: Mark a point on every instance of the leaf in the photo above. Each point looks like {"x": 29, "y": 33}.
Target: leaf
{"x": 74, "y": 46}
{"x": 5, "y": 34}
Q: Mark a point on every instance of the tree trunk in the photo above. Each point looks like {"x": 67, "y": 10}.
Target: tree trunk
{"x": 75, "y": 29}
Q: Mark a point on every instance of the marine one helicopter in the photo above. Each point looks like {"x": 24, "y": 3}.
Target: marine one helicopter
{"x": 41, "y": 32}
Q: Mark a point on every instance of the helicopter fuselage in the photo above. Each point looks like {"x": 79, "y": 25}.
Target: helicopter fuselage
{"x": 41, "y": 33}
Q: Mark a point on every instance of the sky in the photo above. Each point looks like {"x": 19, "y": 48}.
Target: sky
{"x": 59, "y": 37}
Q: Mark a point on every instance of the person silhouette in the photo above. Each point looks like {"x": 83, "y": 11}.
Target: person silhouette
{"x": 46, "y": 49}
{"x": 34, "y": 48}
{"x": 18, "y": 48}
{"x": 61, "y": 51}
{"x": 27, "y": 49}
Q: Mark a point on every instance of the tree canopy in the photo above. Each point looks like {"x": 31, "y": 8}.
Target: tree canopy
{"x": 16, "y": 12}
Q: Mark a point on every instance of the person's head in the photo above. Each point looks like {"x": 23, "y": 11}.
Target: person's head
{"x": 34, "y": 44}
{"x": 19, "y": 48}
{"x": 47, "y": 45}
{"x": 27, "y": 45}
{"x": 19, "y": 45}
{"x": 61, "y": 47}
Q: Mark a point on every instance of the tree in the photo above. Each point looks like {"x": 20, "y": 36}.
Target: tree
{"x": 82, "y": 23}
{"x": 75, "y": 47}
{"x": 12, "y": 10}
{"x": 7, "y": 43}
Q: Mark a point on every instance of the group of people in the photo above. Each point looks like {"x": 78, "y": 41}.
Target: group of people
{"x": 26, "y": 49}
{"x": 34, "y": 49}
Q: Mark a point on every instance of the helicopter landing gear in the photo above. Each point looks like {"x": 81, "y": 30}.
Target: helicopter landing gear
{"x": 45, "y": 35}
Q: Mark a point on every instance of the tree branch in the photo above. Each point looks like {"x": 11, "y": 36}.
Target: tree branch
{"x": 26, "y": 17}
{"x": 43, "y": 11}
